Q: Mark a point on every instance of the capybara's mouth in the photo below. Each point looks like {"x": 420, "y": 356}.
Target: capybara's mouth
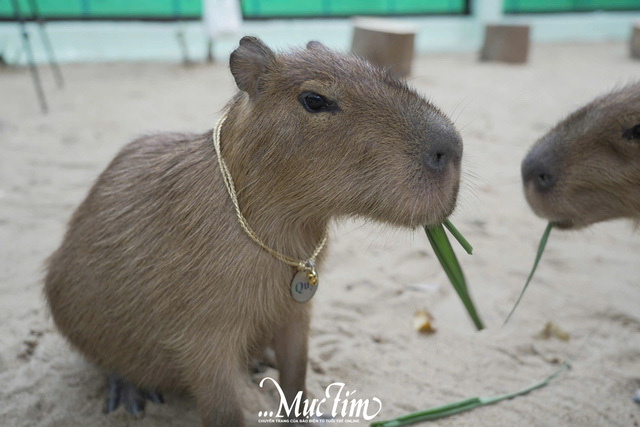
{"x": 563, "y": 211}
{"x": 435, "y": 220}
{"x": 560, "y": 221}
{"x": 424, "y": 206}
{"x": 542, "y": 207}
{"x": 446, "y": 202}
{"x": 565, "y": 224}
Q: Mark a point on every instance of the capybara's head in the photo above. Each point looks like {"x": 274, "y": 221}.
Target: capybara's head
{"x": 587, "y": 168}
{"x": 328, "y": 134}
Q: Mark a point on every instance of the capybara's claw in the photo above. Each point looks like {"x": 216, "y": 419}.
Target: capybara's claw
{"x": 155, "y": 396}
{"x": 135, "y": 407}
{"x": 133, "y": 398}
{"x": 113, "y": 398}
{"x": 258, "y": 367}
{"x": 260, "y": 364}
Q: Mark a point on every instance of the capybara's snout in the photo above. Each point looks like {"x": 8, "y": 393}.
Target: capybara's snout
{"x": 539, "y": 169}
{"x": 439, "y": 157}
{"x": 444, "y": 152}
{"x": 542, "y": 181}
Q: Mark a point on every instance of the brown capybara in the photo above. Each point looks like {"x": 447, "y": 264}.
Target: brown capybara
{"x": 587, "y": 168}
{"x": 157, "y": 282}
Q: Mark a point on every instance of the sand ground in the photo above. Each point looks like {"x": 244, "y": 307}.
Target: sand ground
{"x": 376, "y": 276}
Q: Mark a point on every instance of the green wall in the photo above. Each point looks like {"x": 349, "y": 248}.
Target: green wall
{"x": 167, "y": 9}
{"x": 170, "y": 9}
{"x": 542, "y": 6}
{"x": 96, "y": 9}
{"x": 271, "y": 8}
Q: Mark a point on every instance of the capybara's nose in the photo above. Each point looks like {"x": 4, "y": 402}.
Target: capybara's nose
{"x": 445, "y": 150}
{"x": 538, "y": 172}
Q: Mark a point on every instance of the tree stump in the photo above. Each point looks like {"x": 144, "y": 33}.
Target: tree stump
{"x": 384, "y": 42}
{"x": 506, "y": 43}
{"x": 635, "y": 42}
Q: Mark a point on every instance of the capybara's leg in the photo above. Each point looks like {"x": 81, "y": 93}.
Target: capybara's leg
{"x": 217, "y": 397}
{"x": 291, "y": 346}
{"x": 132, "y": 397}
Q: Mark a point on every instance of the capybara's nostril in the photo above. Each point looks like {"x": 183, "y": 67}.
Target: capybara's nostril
{"x": 442, "y": 148}
{"x": 444, "y": 152}
{"x": 437, "y": 159}
{"x": 544, "y": 181}
{"x": 538, "y": 173}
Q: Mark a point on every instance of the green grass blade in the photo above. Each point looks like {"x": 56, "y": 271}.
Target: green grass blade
{"x": 459, "y": 237}
{"x": 442, "y": 247}
{"x": 444, "y": 253}
{"x": 541, "y": 246}
{"x": 443, "y": 250}
{"x": 467, "y": 404}
{"x": 432, "y": 413}
{"x": 474, "y": 402}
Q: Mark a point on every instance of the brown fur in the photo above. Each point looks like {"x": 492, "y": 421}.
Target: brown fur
{"x": 594, "y": 160}
{"x": 155, "y": 278}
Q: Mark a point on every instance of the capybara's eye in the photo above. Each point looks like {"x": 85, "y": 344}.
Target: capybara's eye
{"x": 315, "y": 103}
{"x": 632, "y": 133}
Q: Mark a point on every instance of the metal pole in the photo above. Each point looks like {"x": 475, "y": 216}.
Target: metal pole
{"x": 46, "y": 42}
{"x": 180, "y": 32}
{"x": 30, "y": 58}
{"x": 210, "y": 58}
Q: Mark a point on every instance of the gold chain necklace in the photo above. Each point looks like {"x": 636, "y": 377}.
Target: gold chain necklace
{"x": 302, "y": 290}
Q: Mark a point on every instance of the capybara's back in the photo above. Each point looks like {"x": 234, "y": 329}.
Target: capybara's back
{"x": 132, "y": 249}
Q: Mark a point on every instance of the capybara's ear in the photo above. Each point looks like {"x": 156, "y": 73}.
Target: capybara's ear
{"x": 250, "y": 63}
{"x": 314, "y": 44}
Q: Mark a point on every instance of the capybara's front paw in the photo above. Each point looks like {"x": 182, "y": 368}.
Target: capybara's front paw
{"x": 133, "y": 397}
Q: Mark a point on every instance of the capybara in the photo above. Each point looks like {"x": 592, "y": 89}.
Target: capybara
{"x": 587, "y": 168}
{"x": 157, "y": 282}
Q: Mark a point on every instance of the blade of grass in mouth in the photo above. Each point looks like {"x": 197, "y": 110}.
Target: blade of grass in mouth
{"x": 541, "y": 246}
{"x": 442, "y": 247}
{"x": 459, "y": 237}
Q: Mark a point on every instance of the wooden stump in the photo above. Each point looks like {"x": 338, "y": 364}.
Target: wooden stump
{"x": 384, "y": 42}
{"x": 506, "y": 43}
{"x": 635, "y": 42}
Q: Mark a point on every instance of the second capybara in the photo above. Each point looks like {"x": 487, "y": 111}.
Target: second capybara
{"x": 156, "y": 280}
{"x": 587, "y": 168}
